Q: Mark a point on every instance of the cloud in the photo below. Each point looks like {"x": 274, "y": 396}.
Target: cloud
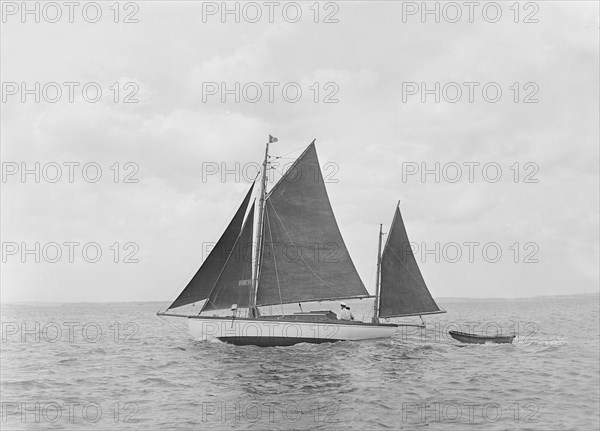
{"x": 368, "y": 136}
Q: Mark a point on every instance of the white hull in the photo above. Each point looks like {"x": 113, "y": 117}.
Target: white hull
{"x": 271, "y": 332}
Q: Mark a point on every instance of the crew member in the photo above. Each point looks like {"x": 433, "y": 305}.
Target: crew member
{"x": 345, "y": 314}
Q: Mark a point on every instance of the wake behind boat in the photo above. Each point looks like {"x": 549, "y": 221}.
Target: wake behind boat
{"x": 288, "y": 249}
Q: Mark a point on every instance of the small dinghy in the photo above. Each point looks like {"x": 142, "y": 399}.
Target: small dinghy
{"x": 464, "y": 337}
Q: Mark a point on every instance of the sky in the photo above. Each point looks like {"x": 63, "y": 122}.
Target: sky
{"x": 498, "y": 179}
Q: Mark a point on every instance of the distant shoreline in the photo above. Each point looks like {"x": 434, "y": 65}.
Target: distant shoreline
{"x": 524, "y": 298}
{"x": 441, "y": 299}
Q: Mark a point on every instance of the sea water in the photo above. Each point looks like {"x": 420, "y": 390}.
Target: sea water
{"x": 118, "y": 366}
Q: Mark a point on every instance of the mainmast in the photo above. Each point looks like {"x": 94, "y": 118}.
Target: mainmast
{"x": 258, "y": 238}
{"x": 378, "y": 278}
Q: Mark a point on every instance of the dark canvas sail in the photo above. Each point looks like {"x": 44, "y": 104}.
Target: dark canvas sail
{"x": 304, "y": 257}
{"x": 235, "y": 281}
{"x": 403, "y": 290}
{"x": 204, "y": 280}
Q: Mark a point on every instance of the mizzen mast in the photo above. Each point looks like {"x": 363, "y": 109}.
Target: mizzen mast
{"x": 378, "y": 278}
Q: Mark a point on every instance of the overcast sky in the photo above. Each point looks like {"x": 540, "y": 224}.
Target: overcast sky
{"x": 370, "y": 141}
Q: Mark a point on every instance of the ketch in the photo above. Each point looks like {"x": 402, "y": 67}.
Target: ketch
{"x": 282, "y": 248}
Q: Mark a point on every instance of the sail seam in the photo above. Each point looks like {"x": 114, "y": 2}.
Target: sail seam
{"x": 407, "y": 270}
{"x": 223, "y": 269}
{"x": 421, "y": 285}
{"x": 300, "y": 253}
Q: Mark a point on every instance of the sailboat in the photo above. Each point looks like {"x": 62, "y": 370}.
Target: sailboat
{"x": 283, "y": 247}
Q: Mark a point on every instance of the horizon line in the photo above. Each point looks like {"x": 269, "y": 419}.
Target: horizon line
{"x": 441, "y": 298}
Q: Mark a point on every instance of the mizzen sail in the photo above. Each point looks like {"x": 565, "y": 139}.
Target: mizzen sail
{"x": 403, "y": 289}
{"x": 205, "y": 278}
{"x": 304, "y": 257}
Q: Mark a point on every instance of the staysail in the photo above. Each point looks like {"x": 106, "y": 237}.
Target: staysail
{"x": 304, "y": 257}
{"x": 403, "y": 290}
{"x": 205, "y": 278}
{"x": 235, "y": 280}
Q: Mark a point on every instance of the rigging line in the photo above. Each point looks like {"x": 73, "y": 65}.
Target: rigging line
{"x": 162, "y": 305}
{"x": 207, "y": 301}
{"x": 293, "y": 166}
{"x": 371, "y": 273}
{"x": 293, "y": 151}
{"x": 374, "y": 265}
{"x": 275, "y": 262}
{"x": 421, "y": 285}
{"x": 244, "y": 276}
{"x": 282, "y": 157}
{"x": 371, "y": 278}
{"x": 278, "y": 171}
{"x": 171, "y": 323}
{"x": 223, "y": 269}
{"x": 301, "y": 256}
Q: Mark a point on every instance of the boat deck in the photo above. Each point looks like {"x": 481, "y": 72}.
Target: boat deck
{"x": 308, "y": 317}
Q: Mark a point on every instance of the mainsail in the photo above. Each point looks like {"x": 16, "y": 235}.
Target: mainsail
{"x": 205, "y": 278}
{"x": 234, "y": 282}
{"x": 304, "y": 257}
{"x": 403, "y": 290}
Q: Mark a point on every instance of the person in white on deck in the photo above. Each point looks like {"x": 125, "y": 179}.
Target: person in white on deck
{"x": 345, "y": 314}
